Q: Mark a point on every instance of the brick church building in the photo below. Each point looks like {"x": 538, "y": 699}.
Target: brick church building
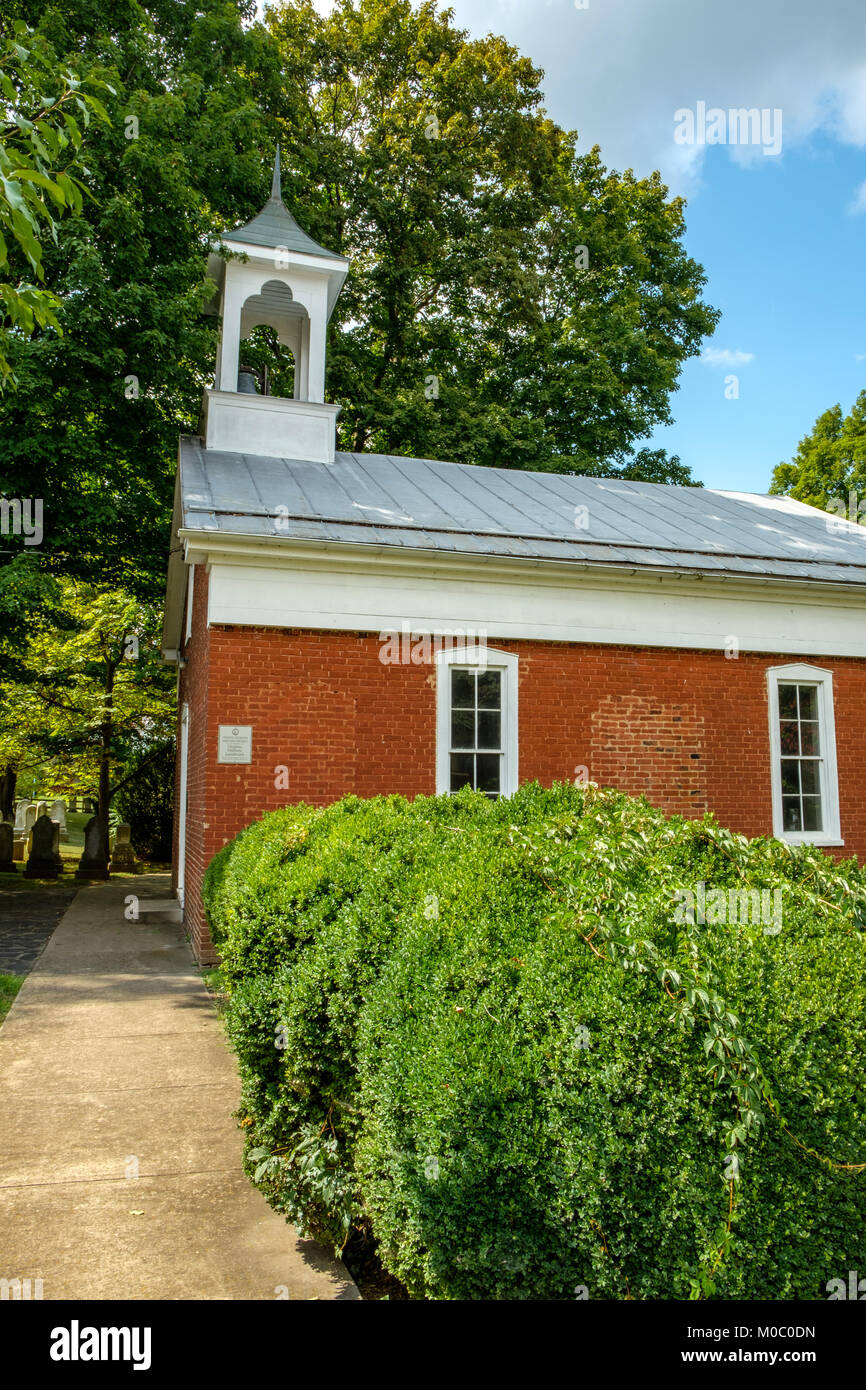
{"x": 365, "y": 623}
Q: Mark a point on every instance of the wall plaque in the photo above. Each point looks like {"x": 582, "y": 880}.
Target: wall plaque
{"x": 235, "y": 743}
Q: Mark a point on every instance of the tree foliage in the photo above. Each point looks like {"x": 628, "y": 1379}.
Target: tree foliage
{"x": 511, "y": 301}
{"x": 96, "y": 695}
{"x": 830, "y": 462}
{"x": 45, "y": 109}
{"x": 465, "y": 237}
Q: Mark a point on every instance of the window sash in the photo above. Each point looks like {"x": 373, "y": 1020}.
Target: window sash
{"x": 802, "y": 806}
{"x": 476, "y": 736}
{"x": 804, "y": 783}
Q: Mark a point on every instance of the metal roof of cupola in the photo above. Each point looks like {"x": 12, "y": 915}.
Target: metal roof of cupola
{"x": 275, "y": 226}
{"x": 271, "y": 272}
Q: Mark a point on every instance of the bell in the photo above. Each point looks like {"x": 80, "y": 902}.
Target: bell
{"x": 247, "y": 383}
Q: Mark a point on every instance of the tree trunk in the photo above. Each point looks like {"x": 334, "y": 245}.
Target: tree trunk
{"x": 104, "y": 787}
{"x": 7, "y": 792}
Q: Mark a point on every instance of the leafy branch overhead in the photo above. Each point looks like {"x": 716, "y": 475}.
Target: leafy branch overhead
{"x": 45, "y": 109}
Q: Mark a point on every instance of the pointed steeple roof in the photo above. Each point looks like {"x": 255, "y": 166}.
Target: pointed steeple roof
{"x": 275, "y": 226}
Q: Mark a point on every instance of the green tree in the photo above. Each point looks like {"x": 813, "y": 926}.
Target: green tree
{"x": 93, "y": 427}
{"x": 98, "y": 698}
{"x": 466, "y": 233}
{"x": 511, "y": 301}
{"x": 830, "y": 463}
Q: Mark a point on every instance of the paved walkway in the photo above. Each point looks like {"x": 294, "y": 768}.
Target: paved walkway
{"x": 112, "y": 1062}
{"x": 28, "y": 916}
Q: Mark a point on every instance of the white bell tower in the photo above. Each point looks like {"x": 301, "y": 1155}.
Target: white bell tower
{"x": 291, "y": 283}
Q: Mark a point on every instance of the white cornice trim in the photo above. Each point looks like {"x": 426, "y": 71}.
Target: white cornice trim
{"x": 288, "y": 256}
{"x": 219, "y": 547}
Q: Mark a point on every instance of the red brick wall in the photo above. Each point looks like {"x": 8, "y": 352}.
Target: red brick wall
{"x": 688, "y": 729}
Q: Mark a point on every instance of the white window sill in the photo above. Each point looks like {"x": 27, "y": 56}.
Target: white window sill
{"x": 822, "y": 841}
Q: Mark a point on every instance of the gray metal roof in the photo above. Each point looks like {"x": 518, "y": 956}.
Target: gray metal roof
{"x": 419, "y": 504}
{"x": 275, "y": 226}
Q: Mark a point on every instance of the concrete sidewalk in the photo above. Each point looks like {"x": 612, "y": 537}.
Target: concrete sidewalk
{"x": 112, "y": 1063}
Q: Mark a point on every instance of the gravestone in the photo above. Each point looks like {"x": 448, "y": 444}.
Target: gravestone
{"x": 44, "y": 858}
{"x": 7, "y": 844}
{"x": 41, "y": 809}
{"x": 29, "y": 819}
{"x": 58, "y": 814}
{"x": 94, "y": 861}
{"x": 122, "y": 855}
{"x": 20, "y": 813}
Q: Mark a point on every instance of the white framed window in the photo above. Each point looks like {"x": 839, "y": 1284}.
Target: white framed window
{"x": 476, "y": 720}
{"x": 803, "y": 755}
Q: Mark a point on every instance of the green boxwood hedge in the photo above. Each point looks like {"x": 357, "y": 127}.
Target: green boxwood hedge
{"x": 490, "y": 1033}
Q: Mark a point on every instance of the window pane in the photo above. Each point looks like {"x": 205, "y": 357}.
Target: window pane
{"x": 789, "y": 737}
{"x": 462, "y": 689}
{"x": 808, "y": 701}
{"x": 462, "y": 728}
{"x": 489, "y": 689}
{"x": 488, "y": 729}
{"x": 488, "y": 772}
{"x": 461, "y": 770}
{"x": 811, "y": 813}
{"x": 791, "y": 818}
{"x": 800, "y": 774}
{"x": 787, "y": 702}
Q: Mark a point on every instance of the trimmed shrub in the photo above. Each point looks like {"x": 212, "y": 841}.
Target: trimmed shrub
{"x": 500, "y": 1035}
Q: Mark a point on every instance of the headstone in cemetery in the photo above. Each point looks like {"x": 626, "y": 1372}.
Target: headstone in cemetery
{"x": 58, "y": 814}
{"x": 29, "y": 818}
{"x": 7, "y": 844}
{"x": 44, "y": 858}
{"x": 122, "y": 855}
{"x": 20, "y": 813}
{"x": 94, "y": 861}
{"x": 19, "y": 844}
{"x": 41, "y": 809}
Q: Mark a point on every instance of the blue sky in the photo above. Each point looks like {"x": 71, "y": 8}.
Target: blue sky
{"x": 786, "y": 264}
{"x": 782, "y": 237}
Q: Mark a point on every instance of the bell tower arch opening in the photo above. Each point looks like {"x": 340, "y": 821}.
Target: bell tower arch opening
{"x": 276, "y": 294}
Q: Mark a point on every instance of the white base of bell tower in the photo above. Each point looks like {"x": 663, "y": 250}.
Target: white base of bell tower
{"x": 270, "y": 426}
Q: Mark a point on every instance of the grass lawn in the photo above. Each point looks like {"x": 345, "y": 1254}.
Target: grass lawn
{"x": 9, "y": 987}
{"x": 70, "y": 853}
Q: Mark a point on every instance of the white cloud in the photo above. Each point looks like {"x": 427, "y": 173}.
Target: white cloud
{"x": 618, "y": 70}
{"x": 859, "y": 203}
{"x": 726, "y": 357}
